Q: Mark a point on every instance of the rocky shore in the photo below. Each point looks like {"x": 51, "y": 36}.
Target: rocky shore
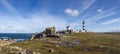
{"x": 3, "y": 42}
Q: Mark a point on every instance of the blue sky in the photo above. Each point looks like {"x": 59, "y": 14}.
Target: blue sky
{"x": 26, "y": 16}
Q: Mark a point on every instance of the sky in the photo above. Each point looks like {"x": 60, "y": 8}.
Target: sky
{"x": 29, "y": 16}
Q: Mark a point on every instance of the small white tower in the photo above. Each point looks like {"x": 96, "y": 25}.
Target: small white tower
{"x": 68, "y": 27}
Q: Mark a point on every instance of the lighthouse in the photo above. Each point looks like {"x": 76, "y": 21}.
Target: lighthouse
{"x": 83, "y": 27}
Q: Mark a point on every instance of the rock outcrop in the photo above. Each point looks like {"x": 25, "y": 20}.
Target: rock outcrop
{"x": 48, "y": 32}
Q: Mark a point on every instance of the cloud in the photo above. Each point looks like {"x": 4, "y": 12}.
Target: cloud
{"x": 10, "y": 7}
{"x": 105, "y": 13}
{"x": 11, "y": 29}
{"x": 117, "y": 29}
{"x": 99, "y": 10}
{"x": 86, "y": 5}
{"x": 72, "y": 12}
{"x": 111, "y": 21}
{"x": 36, "y": 23}
{"x": 102, "y": 14}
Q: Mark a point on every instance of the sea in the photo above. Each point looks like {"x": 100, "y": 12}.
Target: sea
{"x": 18, "y": 37}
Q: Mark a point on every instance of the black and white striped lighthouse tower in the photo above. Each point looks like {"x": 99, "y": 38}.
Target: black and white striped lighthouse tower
{"x": 83, "y": 27}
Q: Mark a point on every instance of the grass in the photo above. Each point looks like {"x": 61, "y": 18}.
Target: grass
{"x": 90, "y": 43}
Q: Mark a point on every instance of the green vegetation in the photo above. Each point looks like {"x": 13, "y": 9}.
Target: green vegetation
{"x": 88, "y": 43}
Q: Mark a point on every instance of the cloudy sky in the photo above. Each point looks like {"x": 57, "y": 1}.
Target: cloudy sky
{"x": 28, "y": 16}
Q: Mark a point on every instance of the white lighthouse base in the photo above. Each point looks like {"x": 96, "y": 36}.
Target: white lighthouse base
{"x": 83, "y": 31}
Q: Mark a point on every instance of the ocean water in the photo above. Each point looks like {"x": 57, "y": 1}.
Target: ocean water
{"x": 16, "y": 36}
